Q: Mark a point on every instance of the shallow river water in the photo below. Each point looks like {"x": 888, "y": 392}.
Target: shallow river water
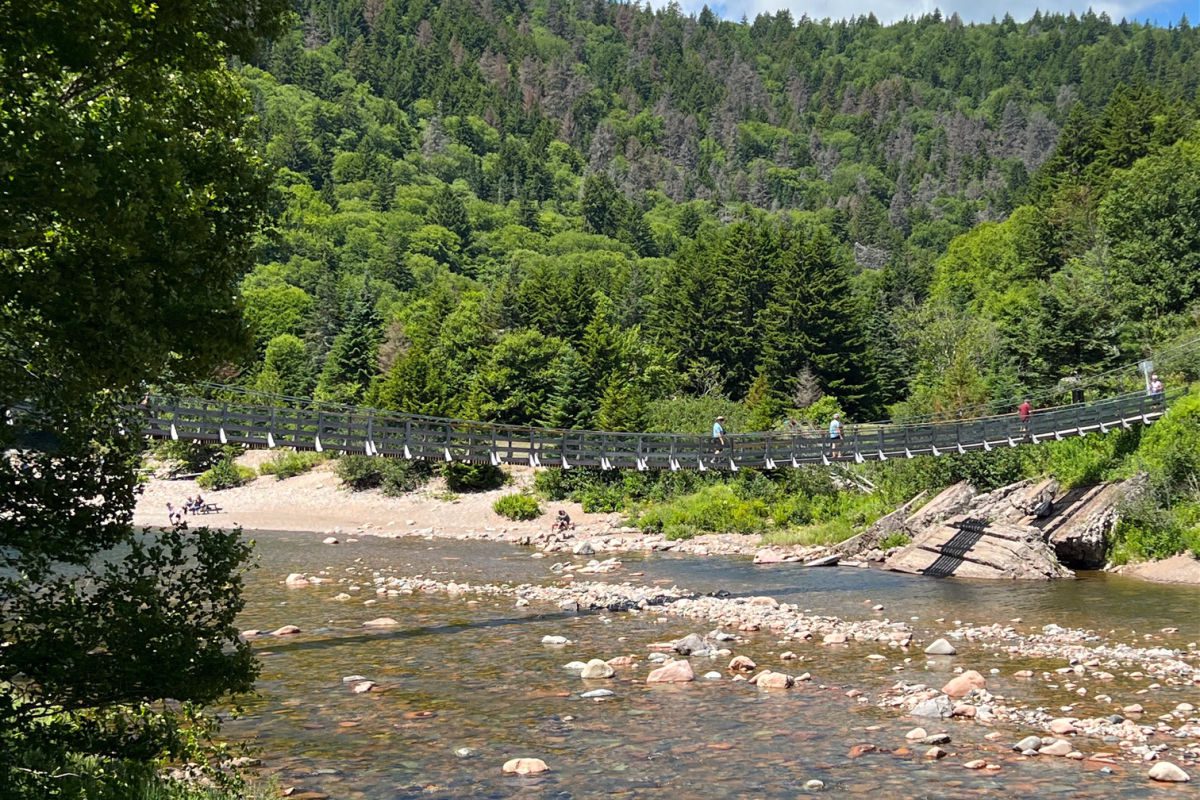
{"x": 464, "y": 683}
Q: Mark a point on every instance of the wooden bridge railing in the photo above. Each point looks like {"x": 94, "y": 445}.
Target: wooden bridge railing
{"x": 373, "y": 432}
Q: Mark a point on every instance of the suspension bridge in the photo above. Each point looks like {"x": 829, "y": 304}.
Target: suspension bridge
{"x": 236, "y": 416}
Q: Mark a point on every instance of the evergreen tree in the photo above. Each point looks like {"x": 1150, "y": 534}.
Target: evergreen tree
{"x": 350, "y": 365}
{"x": 622, "y": 406}
{"x": 572, "y": 400}
{"x": 448, "y": 211}
{"x": 602, "y": 204}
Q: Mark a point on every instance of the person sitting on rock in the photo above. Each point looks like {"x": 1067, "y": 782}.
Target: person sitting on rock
{"x": 562, "y": 522}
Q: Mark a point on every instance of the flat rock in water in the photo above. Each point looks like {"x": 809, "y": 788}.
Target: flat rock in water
{"x": 742, "y": 664}
{"x": 940, "y": 706}
{"x": 824, "y": 561}
{"x": 524, "y": 766}
{"x": 692, "y": 644}
{"x": 1167, "y": 772}
{"x": 1028, "y": 743}
{"x": 597, "y": 693}
{"x": 1059, "y": 747}
{"x": 940, "y": 647}
{"x": 961, "y": 685}
{"x": 773, "y": 680}
{"x": 596, "y": 669}
{"x": 286, "y": 630}
{"x": 965, "y": 547}
{"x": 672, "y": 672}
{"x": 380, "y": 622}
{"x": 555, "y": 640}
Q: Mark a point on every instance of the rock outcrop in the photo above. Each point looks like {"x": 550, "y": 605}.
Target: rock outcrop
{"x": 969, "y": 546}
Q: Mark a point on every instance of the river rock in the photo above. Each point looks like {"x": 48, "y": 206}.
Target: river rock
{"x": 935, "y": 753}
{"x": 296, "y": 580}
{"x": 1028, "y": 743}
{"x": 286, "y": 630}
{"x": 1059, "y": 747}
{"x": 555, "y": 640}
{"x": 362, "y": 687}
{"x": 380, "y": 622}
{"x": 595, "y": 694}
{"x": 622, "y": 661}
{"x": 584, "y": 548}
{"x": 837, "y": 637}
{"x": 713, "y": 676}
{"x": 772, "y": 680}
{"x": 742, "y": 664}
{"x": 672, "y": 672}
{"x": 354, "y": 678}
{"x": 936, "y": 738}
{"x": 524, "y": 766}
{"x": 596, "y": 669}
{"x": 814, "y": 785}
{"x": 1062, "y": 726}
{"x": 330, "y": 540}
{"x": 961, "y": 685}
{"x": 1166, "y": 772}
{"x": 940, "y": 706}
{"x": 916, "y": 734}
{"x": 692, "y": 644}
{"x": 940, "y": 647}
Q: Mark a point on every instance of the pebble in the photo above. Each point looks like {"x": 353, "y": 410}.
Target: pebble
{"x": 574, "y": 665}
{"x": 814, "y": 785}
{"x": 329, "y": 540}
{"x": 935, "y": 752}
{"x": 354, "y": 678}
{"x": 712, "y": 676}
{"x": 362, "y": 687}
{"x": 978, "y": 763}
{"x": 555, "y": 640}
{"x": 1028, "y": 743}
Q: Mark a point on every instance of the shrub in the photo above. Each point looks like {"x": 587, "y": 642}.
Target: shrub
{"x": 290, "y": 464}
{"x": 715, "y": 508}
{"x": 225, "y": 475}
{"x": 517, "y": 507}
{"x": 359, "y": 473}
{"x": 402, "y": 477}
{"x": 188, "y": 458}
{"x": 895, "y": 539}
{"x": 462, "y": 477}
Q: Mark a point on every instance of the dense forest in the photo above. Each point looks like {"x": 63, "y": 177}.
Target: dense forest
{"x": 590, "y": 214}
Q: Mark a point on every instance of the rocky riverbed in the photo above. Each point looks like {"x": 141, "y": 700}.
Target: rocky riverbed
{"x": 989, "y": 698}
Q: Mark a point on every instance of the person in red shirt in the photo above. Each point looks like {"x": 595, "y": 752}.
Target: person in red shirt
{"x": 1023, "y": 412}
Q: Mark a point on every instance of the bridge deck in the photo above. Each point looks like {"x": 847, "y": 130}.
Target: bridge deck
{"x": 373, "y": 432}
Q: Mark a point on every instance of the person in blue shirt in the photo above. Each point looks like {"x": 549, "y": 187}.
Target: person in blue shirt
{"x": 835, "y": 433}
{"x": 718, "y": 434}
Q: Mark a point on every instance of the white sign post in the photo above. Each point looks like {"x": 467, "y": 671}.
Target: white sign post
{"x": 1147, "y": 369}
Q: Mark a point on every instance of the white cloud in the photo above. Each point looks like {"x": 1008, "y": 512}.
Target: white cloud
{"x": 893, "y": 10}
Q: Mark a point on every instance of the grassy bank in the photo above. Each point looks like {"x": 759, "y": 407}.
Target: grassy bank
{"x": 815, "y": 505}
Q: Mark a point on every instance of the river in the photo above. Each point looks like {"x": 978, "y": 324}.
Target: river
{"x": 464, "y": 683}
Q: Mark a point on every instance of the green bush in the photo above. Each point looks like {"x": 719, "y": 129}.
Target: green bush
{"x": 189, "y": 458}
{"x": 402, "y": 477}
{"x": 716, "y": 509}
{"x": 225, "y": 475}
{"x": 462, "y": 477}
{"x": 896, "y": 539}
{"x": 517, "y": 507}
{"x": 359, "y": 473}
{"x": 290, "y": 464}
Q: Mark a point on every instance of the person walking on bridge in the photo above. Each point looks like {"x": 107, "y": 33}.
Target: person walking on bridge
{"x": 1157, "y": 390}
{"x": 718, "y": 435}
{"x": 835, "y": 434}
{"x": 1024, "y": 411}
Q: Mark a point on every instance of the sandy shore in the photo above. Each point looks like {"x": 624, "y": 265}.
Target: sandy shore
{"x": 316, "y": 501}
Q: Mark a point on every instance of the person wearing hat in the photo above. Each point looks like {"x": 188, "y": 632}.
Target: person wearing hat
{"x": 1156, "y": 389}
{"x": 718, "y": 434}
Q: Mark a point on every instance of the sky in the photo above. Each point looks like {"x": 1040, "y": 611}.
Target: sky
{"x": 1160, "y": 12}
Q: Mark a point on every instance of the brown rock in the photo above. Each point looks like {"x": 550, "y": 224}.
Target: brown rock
{"x": 1059, "y": 747}
{"x": 672, "y": 672}
{"x": 978, "y": 763}
{"x": 1062, "y": 726}
{"x": 286, "y": 630}
{"x": 1166, "y": 772}
{"x": 935, "y": 752}
{"x": 862, "y": 750}
{"x": 772, "y": 680}
{"x": 622, "y": 661}
{"x": 960, "y": 685}
{"x": 742, "y": 664}
{"x": 965, "y": 710}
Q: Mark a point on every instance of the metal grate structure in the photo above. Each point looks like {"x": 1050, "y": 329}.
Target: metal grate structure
{"x": 265, "y": 421}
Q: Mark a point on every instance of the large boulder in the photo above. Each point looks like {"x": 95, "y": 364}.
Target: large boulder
{"x": 969, "y": 546}
{"x": 672, "y": 672}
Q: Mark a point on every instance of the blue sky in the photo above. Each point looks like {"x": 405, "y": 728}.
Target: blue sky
{"x": 1163, "y": 12}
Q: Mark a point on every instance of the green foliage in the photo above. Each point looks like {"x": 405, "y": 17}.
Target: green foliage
{"x": 462, "y": 477}
{"x": 897, "y": 539}
{"x": 189, "y": 458}
{"x": 286, "y": 369}
{"x": 225, "y": 474}
{"x": 359, "y": 473}
{"x": 517, "y": 507}
{"x": 290, "y": 464}
{"x": 715, "y": 509}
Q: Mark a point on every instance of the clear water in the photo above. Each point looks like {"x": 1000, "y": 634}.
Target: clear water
{"x": 457, "y": 674}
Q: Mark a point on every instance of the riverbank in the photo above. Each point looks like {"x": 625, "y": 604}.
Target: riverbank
{"x": 317, "y": 502}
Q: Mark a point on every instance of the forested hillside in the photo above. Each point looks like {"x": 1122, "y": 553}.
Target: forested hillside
{"x": 579, "y": 213}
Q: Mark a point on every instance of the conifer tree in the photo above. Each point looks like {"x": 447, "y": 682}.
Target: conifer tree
{"x": 350, "y": 365}
{"x": 447, "y": 210}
